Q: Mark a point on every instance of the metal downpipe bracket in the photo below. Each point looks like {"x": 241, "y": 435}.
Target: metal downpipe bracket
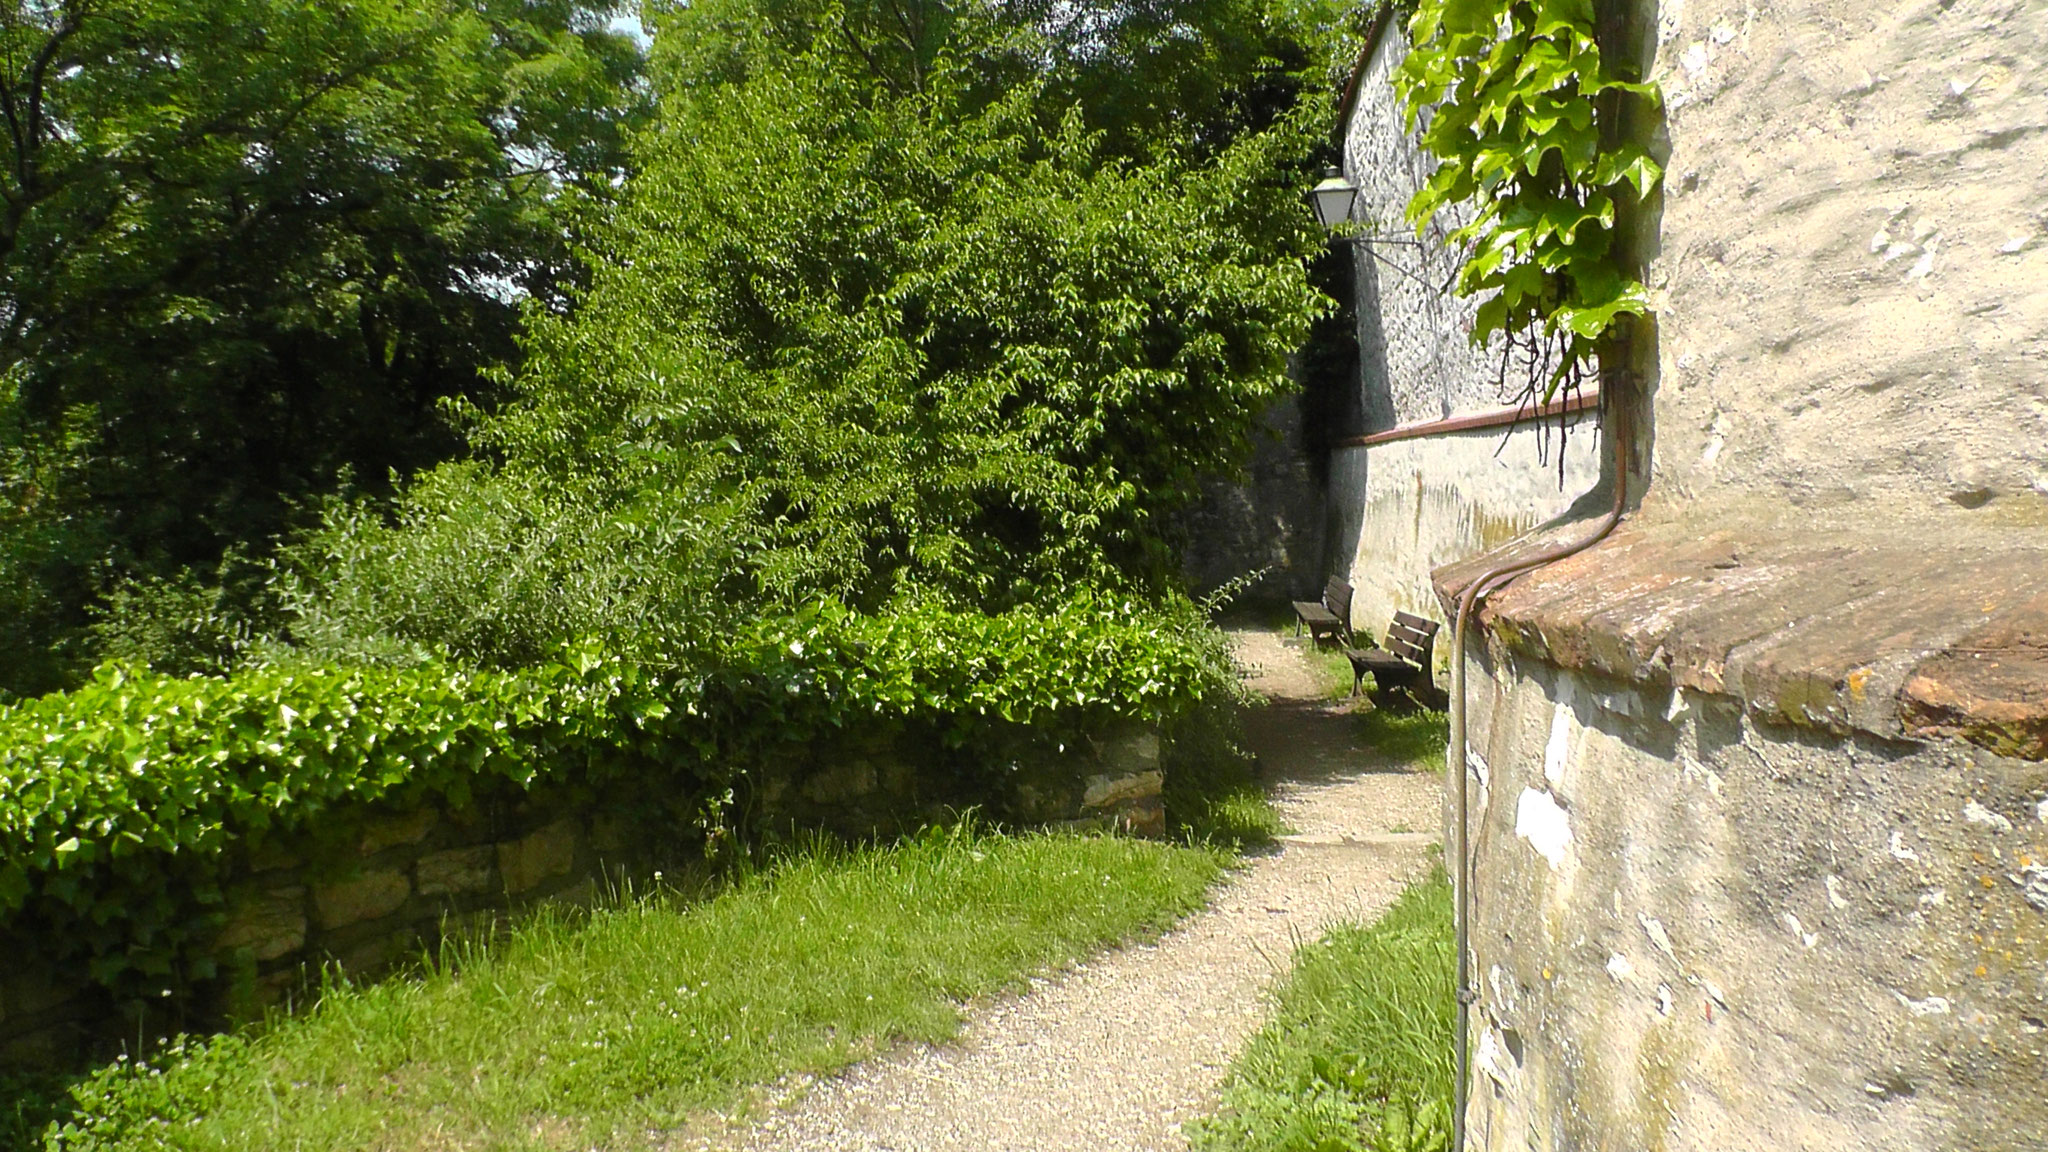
{"x": 1484, "y": 583}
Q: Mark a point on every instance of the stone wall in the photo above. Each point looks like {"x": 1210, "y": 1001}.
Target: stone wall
{"x": 1761, "y": 782}
{"x": 1696, "y": 928}
{"x": 1271, "y": 521}
{"x": 1411, "y": 506}
{"x": 1398, "y": 510}
{"x": 369, "y": 890}
{"x": 1851, "y": 276}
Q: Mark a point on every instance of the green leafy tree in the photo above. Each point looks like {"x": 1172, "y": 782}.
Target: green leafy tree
{"x": 868, "y": 326}
{"x": 941, "y": 339}
{"x": 247, "y": 246}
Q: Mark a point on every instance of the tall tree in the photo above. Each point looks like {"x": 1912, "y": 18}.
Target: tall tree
{"x": 247, "y": 246}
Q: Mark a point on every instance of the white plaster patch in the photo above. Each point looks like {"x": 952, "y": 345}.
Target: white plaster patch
{"x": 2033, "y": 882}
{"x": 1898, "y": 847}
{"x": 1619, "y": 968}
{"x": 1493, "y": 1060}
{"x": 1654, "y": 929}
{"x": 1978, "y": 814}
{"x": 1695, "y": 58}
{"x": 1546, "y": 827}
{"x": 2041, "y": 810}
{"x": 1835, "y": 897}
{"x": 1503, "y": 988}
{"x": 1924, "y": 265}
{"x": 1477, "y": 763}
{"x": 1664, "y": 1004}
{"x": 1932, "y": 1006}
{"x": 1799, "y": 931}
{"x": 2014, "y": 246}
{"x": 1558, "y": 750}
{"x": 1713, "y": 990}
{"x": 1933, "y": 898}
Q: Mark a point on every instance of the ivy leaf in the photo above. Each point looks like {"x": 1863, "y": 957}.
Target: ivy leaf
{"x": 1468, "y": 16}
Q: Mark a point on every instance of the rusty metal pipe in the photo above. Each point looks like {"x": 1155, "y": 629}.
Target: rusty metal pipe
{"x": 1482, "y": 584}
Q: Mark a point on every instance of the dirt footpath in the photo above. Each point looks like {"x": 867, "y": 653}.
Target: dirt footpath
{"x": 1117, "y": 1053}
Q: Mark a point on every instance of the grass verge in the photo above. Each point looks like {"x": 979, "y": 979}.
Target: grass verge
{"x": 1419, "y": 738}
{"x": 1212, "y": 791}
{"x": 595, "y": 1030}
{"x": 1358, "y": 1056}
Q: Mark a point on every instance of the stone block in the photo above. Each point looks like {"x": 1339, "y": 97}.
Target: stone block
{"x": 403, "y": 828}
{"x": 269, "y": 922}
{"x": 32, "y": 991}
{"x": 526, "y": 862}
{"x": 1128, "y": 750}
{"x": 841, "y": 782}
{"x": 1144, "y": 817}
{"x": 365, "y": 897}
{"x": 378, "y": 953}
{"x": 610, "y": 834}
{"x": 268, "y": 855}
{"x": 455, "y": 871}
{"x": 1106, "y": 791}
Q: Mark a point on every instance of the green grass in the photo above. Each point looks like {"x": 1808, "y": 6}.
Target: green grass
{"x": 595, "y": 1030}
{"x": 1358, "y": 1055}
{"x": 1212, "y": 793}
{"x": 1419, "y": 738}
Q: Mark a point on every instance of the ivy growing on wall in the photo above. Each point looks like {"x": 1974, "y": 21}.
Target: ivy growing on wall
{"x": 1524, "y": 115}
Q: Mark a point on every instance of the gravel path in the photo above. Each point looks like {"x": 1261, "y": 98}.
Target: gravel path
{"x": 1118, "y": 1052}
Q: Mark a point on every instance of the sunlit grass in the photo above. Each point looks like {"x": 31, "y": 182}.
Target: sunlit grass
{"x": 593, "y": 1030}
{"x": 1358, "y": 1056}
{"x": 1417, "y": 738}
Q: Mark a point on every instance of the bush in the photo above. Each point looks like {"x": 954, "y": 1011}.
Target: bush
{"x": 120, "y": 802}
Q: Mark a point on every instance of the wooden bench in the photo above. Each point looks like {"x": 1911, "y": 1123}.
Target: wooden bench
{"x": 1404, "y": 666}
{"x": 1329, "y": 617}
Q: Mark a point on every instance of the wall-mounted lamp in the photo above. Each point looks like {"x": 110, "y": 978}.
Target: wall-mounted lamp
{"x": 1333, "y": 198}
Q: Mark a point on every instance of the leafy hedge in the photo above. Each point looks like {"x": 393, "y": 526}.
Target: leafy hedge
{"x": 121, "y": 802}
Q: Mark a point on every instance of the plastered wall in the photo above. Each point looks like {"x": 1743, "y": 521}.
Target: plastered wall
{"x": 1398, "y": 510}
{"x": 1852, "y": 273}
{"x": 1408, "y": 507}
{"x": 1694, "y": 932}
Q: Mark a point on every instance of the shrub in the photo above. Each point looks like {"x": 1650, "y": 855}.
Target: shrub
{"x": 123, "y": 803}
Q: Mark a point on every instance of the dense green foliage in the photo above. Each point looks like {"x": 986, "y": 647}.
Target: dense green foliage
{"x": 246, "y": 246}
{"x": 125, "y": 805}
{"x": 1525, "y": 112}
{"x": 923, "y": 312}
{"x": 916, "y": 338}
{"x": 1358, "y": 1057}
{"x": 578, "y": 1034}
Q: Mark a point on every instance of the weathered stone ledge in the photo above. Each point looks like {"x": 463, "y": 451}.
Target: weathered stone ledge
{"x": 1900, "y": 634}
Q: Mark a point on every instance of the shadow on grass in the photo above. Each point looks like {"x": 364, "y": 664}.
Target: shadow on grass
{"x": 1417, "y": 738}
{"x": 1213, "y": 793}
{"x": 1310, "y": 741}
{"x": 30, "y": 1102}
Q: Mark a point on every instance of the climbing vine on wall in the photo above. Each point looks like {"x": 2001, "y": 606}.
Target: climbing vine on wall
{"x": 1514, "y": 99}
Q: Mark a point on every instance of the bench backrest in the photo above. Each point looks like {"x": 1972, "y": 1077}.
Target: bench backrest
{"x": 1411, "y": 638}
{"x": 1337, "y": 598}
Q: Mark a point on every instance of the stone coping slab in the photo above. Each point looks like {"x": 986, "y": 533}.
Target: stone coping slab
{"x": 1914, "y": 632}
